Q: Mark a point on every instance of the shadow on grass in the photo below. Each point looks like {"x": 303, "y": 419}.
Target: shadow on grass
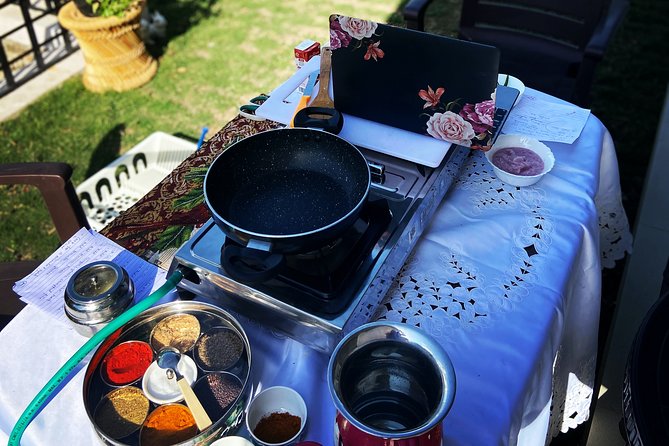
{"x": 107, "y": 150}
{"x": 181, "y": 15}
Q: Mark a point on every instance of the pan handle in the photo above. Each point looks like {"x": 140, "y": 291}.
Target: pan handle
{"x": 250, "y": 265}
{"x": 324, "y": 118}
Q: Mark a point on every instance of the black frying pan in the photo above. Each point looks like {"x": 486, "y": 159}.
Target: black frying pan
{"x": 281, "y": 192}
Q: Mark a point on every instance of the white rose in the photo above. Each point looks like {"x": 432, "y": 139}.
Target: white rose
{"x": 357, "y": 28}
{"x": 450, "y": 127}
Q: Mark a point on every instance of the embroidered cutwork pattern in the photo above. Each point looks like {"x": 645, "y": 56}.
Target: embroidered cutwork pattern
{"x": 454, "y": 299}
{"x": 455, "y": 293}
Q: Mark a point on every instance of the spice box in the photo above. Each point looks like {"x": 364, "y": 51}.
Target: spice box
{"x": 216, "y": 359}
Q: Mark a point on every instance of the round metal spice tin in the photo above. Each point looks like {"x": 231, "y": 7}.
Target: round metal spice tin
{"x": 96, "y": 294}
{"x": 224, "y": 397}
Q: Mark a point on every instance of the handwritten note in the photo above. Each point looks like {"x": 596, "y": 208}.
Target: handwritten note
{"x": 45, "y": 287}
{"x": 545, "y": 120}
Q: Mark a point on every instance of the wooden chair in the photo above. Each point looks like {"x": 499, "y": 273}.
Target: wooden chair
{"x": 54, "y": 182}
{"x": 551, "y": 45}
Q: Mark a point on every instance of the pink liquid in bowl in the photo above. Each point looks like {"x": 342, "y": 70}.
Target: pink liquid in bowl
{"x": 518, "y": 161}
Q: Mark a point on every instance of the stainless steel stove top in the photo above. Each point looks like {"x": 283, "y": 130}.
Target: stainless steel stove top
{"x": 402, "y": 201}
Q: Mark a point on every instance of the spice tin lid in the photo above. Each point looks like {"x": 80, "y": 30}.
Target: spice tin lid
{"x": 98, "y": 292}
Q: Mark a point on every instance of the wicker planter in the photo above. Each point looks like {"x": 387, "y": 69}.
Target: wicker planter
{"x": 114, "y": 54}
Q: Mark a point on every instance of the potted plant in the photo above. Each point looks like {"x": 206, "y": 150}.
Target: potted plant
{"x": 108, "y": 35}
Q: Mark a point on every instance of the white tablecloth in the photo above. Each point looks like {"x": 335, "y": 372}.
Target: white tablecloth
{"x": 507, "y": 279}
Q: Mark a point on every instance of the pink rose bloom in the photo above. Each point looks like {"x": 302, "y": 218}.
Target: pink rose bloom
{"x": 480, "y": 115}
{"x": 338, "y": 38}
{"x": 357, "y": 28}
{"x": 450, "y": 127}
{"x": 486, "y": 111}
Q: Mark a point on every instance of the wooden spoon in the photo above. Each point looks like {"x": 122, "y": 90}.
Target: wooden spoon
{"x": 168, "y": 358}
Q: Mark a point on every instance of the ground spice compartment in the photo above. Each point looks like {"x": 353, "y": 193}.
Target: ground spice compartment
{"x": 140, "y": 329}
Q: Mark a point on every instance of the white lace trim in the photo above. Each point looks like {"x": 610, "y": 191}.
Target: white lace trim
{"x": 615, "y": 238}
{"x": 571, "y": 399}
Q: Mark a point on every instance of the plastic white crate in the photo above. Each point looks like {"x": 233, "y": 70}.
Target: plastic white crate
{"x": 121, "y": 183}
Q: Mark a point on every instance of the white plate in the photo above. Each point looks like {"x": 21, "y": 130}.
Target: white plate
{"x": 513, "y": 82}
{"x": 161, "y": 390}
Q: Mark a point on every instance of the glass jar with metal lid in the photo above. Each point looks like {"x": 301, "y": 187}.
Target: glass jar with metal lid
{"x": 96, "y": 294}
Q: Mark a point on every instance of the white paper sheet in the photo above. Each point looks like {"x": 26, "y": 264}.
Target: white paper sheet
{"x": 45, "y": 287}
{"x": 546, "y": 120}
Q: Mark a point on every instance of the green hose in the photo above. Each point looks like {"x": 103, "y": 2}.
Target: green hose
{"x": 36, "y": 404}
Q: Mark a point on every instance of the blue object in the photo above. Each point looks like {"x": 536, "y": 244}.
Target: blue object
{"x": 201, "y": 140}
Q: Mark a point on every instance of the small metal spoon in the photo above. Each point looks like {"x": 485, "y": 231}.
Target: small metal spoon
{"x": 168, "y": 358}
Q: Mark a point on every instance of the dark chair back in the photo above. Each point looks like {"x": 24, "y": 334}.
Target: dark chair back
{"x": 551, "y": 45}
{"x": 53, "y": 181}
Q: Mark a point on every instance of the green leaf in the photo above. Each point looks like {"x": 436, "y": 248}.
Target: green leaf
{"x": 188, "y": 201}
{"x": 173, "y": 237}
{"x": 196, "y": 174}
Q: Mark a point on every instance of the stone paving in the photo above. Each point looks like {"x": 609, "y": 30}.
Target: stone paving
{"x": 12, "y": 103}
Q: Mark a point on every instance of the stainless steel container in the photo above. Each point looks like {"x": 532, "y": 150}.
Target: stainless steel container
{"x": 140, "y": 328}
{"x": 96, "y": 294}
{"x": 390, "y": 382}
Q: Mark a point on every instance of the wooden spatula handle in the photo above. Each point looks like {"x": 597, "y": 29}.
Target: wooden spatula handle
{"x": 201, "y": 418}
{"x": 323, "y": 97}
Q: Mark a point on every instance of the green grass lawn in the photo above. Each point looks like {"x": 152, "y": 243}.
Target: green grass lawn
{"x": 218, "y": 55}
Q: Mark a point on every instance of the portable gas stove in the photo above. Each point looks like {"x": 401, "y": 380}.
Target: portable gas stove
{"x": 319, "y": 296}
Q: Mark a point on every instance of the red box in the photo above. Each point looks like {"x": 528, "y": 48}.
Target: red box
{"x": 305, "y": 51}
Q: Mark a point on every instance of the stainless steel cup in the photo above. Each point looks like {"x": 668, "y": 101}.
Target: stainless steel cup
{"x": 391, "y": 384}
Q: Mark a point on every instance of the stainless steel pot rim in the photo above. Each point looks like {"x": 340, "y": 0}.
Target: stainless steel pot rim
{"x": 417, "y": 338}
{"x": 234, "y": 227}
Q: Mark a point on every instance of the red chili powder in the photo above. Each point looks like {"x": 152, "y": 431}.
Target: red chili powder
{"x": 127, "y": 362}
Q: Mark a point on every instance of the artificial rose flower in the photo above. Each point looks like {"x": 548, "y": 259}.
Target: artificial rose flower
{"x": 357, "y": 28}
{"x": 486, "y": 111}
{"x": 450, "y": 127}
{"x": 338, "y": 38}
{"x": 479, "y": 115}
{"x": 374, "y": 52}
{"x": 431, "y": 97}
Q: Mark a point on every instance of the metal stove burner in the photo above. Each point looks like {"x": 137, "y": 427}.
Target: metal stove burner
{"x": 324, "y": 281}
{"x": 319, "y": 296}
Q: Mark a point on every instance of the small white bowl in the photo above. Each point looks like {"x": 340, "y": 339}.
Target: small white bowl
{"x": 513, "y": 82}
{"x": 532, "y": 144}
{"x": 275, "y": 399}
{"x": 232, "y": 441}
{"x": 161, "y": 390}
